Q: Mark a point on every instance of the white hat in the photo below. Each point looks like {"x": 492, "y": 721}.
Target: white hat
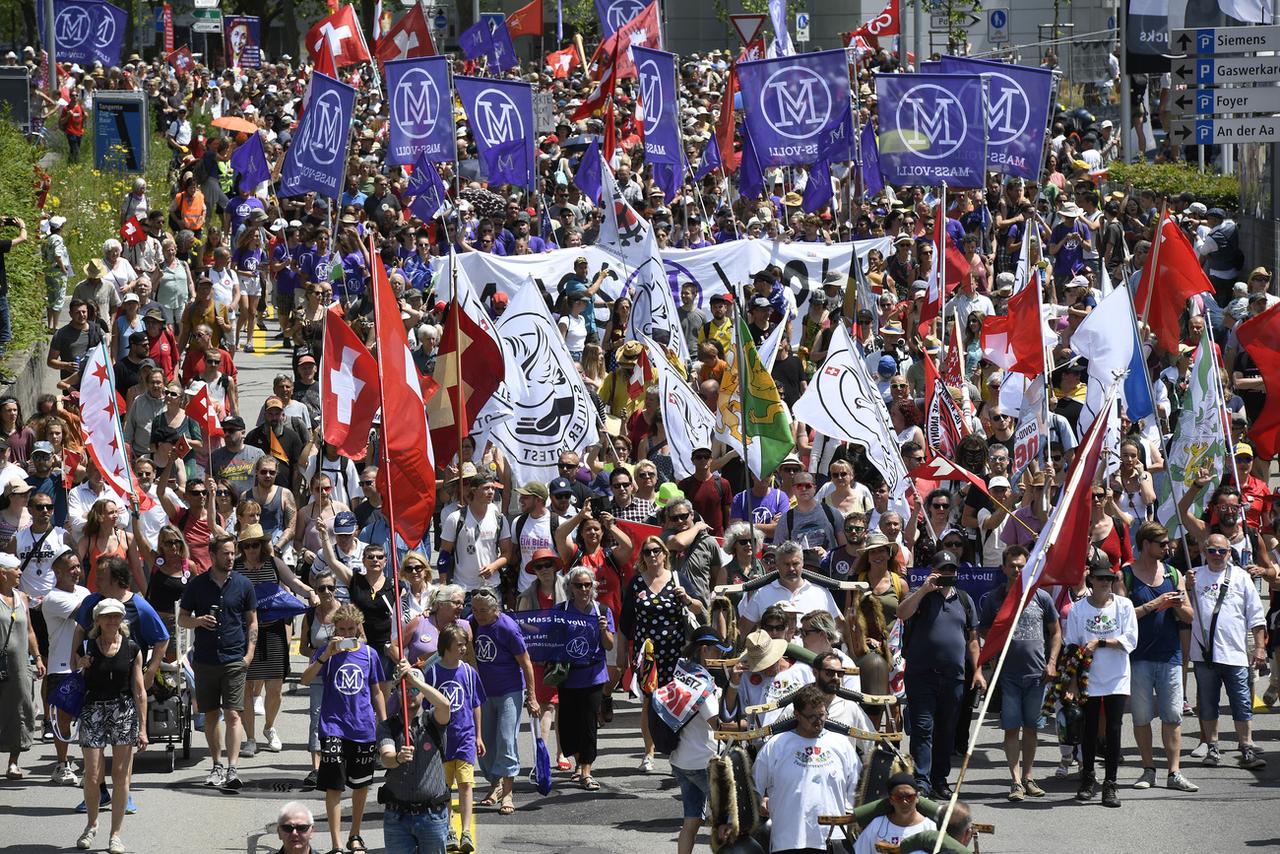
{"x": 108, "y": 606}
{"x": 57, "y": 221}
{"x": 999, "y": 481}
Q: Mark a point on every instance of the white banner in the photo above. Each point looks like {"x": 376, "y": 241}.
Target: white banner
{"x": 843, "y": 402}
{"x": 554, "y": 413}
{"x": 686, "y": 419}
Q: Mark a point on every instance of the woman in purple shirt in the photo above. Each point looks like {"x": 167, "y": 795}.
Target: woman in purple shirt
{"x": 507, "y": 675}
{"x": 247, "y": 262}
{"x": 583, "y": 689}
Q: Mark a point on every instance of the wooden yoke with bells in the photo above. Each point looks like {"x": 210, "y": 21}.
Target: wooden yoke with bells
{"x": 924, "y": 841}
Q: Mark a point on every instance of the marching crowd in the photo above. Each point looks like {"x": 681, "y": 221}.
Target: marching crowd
{"x": 107, "y": 599}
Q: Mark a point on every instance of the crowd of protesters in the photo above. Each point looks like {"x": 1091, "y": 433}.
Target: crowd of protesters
{"x": 94, "y": 583}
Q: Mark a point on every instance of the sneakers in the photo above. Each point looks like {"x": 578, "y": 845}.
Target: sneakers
{"x": 249, "y": 748}
{"x": 1181, "y": 783}
{"x": 46, "y": 730}
{"x": 1200, "y": 750}
{"x": 231, "y": 782}
{"x": 1063, "y": 771}
{"x": 1016, "y": 792}
{"x": 273, "y": 740}
{"x": 1088, "y": 785}
{"x": 104, "y": 800}
{"x": 260, "y": 706}
{"x": 85, "y": 839}
{"x": 451, "y": 842}
{"x": 1110, "y": 797}
{"x": 1212, "y": 756}
{"x": 1271, "y": 696}
{"x": 1147, "y": 780}
{"x": 309, "y": 781}
{"x": 130, "y": 808}
{"x": 116, "y": 846}
{"x": 216, "y": 776}
{"x": 63, "y": 775}
{"x": 1032, "y": 788}
{"x": 646, "y": 764}
{"x": 1249, "y": 758}
{"x": 1187, "y": 709}
{"x": 466, "y": 845}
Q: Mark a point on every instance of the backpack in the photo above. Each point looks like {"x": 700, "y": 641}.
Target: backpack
{"x": 1126, "y": 572}
{"x": 665, "y": 739}
{"x": 836, "y": 527}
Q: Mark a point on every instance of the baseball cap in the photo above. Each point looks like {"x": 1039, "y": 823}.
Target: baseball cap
{"x": 760, "y": 302}
{"x": 999, "y": 481}
{"x": 344, "y": 523}
{"x": 709, "y": 636}
{"x": 235, "y": 422}
{"x": 306, "y": 359}
{"x": 108, "y": 606}
{"x": 1244, "y": 449}
{"x": 42, "y": 448}
{"x": 559, "y": 486}
{"x": 943, "y": 560}
{"x": 536, "y": 488}
{"x": 887, "y": 366}
{"x": 274, "y": 402}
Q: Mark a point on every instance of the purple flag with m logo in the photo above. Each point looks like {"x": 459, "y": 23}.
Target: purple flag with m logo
{"x": 501, "y": 117}
{"x": 932, "y": 129}
{"x": 790, "y": 100}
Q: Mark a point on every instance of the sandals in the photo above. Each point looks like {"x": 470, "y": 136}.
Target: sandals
{"x": 507, "y": 808}
{"x": 489, "y": 801}
{"x": 589, "y": 783}
{"x": 356, "y": 844}
{"x": 564, "y": 765}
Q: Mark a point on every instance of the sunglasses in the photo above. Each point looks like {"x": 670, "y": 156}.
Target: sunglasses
{"x": 953, "y": 544}
{"x": 774, "y": 627}
{"x": 222, "y": 493}
{"x": 841, "y": 474}
{"x": 172, "y": 394}
{"x": 295, "y": 828}
{"x": 941, "y": 505}
{"x": 43, "y": 508}
{"x": 679, "y": 517}
{"x": 538, "y": 567}
{"x": 905, "y": 797}
{"x": 622, "y": 485}
{"x": 197, "y": 492}
{"x": 326, "y": 588}
{"x": 647, "y": 475}
{"x": 654, "y": 550}
{"x": 898, "y": 385}
{"x": 175, "y": 543}
{"x": 376, "y": 558}
{"x": 1216, "y": 552}
{"x": 583, "y": 585}
{"x": 324, "y": 489}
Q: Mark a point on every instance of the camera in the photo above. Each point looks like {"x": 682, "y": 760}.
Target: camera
{"x": 947, "y": 581}
{"x": 8, "y": 220}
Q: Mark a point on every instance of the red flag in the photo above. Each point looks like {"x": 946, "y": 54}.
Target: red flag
{"x": 204, "y": 412}
{"x": 526, "y": 21}
{"x": 641, "y": 376}
{"x": 1179, "y": 278}
{"x": 1015, "y": 342}
{"x": 610, "y": 142}
{"x": 753, "y": 51}
{"x": 349, "y": 387}
{"x": 472, "y": 343}
{"x": 726, "y": 129}
{"x": 131, "y": 233}
{"x": 181, "y": 60}
{"x": 944, "y": 425}
{"x": 938, "y": 467}
{"x": 605, "y": 62}
{"x": 563, "y": 62}
{"x": 1259, "y": 336}
{"x": 887, "y": 23}
{"x": 341, "y": 31}
{"x": 410, "y": 38}
{"x": 641, "y": 30}
{"x": 406, "y": 473}
{"x": 1060, "y": 550}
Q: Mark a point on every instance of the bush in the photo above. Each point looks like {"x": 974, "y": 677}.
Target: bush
{"x": 23, "y": 266}
{"x": 1171, "y": 179}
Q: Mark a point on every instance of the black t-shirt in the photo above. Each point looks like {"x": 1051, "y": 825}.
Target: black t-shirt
{"x": 788, "y": 373}
{"x": 5, "y": 246}
{"x": 70, "y": 344}
{"x": 127, "y": 373}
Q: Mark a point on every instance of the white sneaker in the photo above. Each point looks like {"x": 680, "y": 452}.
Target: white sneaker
{"x": 216, "y": 776}
{"x": 273, "y": 740}
{"x": 249, "y": 748}
{"x": 64, "y": 775}
{"x": 259, "y": 706}
{"x": 1063, "y": 771}
{"x": 1200, "y": 750}
{"x": 646, "y": 764}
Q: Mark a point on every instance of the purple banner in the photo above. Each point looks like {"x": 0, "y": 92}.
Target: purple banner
{"x": 790, "y": 100}
{"x": 872, "y": 180}
{"x": 932, "y": 129}
{"x": 501, "y": 116}
{"x": 614, "y": 13}
{"x": 317, "y": 156}
{"x": 1018, "y": 102}
{"x": 477, "y": 40}
{"x": 656, "y": 70}
{"x": 559, "y": 635}
{"x": 977, "y": 581}
{"x": 503, "y": 55}
{"x": 85, "y": 32}
{"x": 421, "y": 111}
{"x": 243, "y": 35}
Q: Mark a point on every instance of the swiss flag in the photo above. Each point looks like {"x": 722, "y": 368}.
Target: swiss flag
{"x": 131, "y": 232}
{"x": 605, "y": 63}
{"x": 526, "y": 21}
{"x": 938, "y": 467}
{"x": 1015, "y": 342}
{"x": 341, "y": 31}
{"x": 1172, "y": 276}
{"x": 204, "y": 412}
{"x": 753, "y": 51}
{"x": 181, "y": 60}
{"x": 410, "y": 38}
{"x": 406, "y": 474}
{"x": 563, "y": 62}
{"x": 348, "y": 387}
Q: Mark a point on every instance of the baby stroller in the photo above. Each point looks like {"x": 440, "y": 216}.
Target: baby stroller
{"x": 169, "y": 703}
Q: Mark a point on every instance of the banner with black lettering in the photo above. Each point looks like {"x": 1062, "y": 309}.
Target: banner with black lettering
{"x": 421, "y": 111}
{"x": 932, "y": 129}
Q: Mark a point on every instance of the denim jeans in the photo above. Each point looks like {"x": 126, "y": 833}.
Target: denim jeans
{"x": 1212, "y": 678}
{"x": 500, "y": 722}
{"x": 6, "y": 329}
{"x": 933, "y": 701}
{"x": 415, "y": 834}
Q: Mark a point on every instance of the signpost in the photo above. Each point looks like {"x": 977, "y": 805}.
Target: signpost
{"x": 747, "y": 26}
{"x": 1211, "y": 41}
{"x": 1240, "y": 69}
{"x": 998, "y": 25}
{"x": 206, "y": 20}
{"x": 802, "y": 27}
{"x": 1205, "y": 102}
{"x": 1216, "y": 131}
{"x": 207, "y": 4}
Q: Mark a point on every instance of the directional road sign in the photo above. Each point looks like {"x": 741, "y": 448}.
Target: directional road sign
{"x": 207, "y": 20}
{"x": 1211, "y": 41}
{"x": 1243, "y": 69}
{"x": 1262, "y": 99}
{"x": 1215, "y": 131}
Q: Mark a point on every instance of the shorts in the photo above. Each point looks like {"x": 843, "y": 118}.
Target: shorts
{"x": 41, "y": 627}
{"x": 1210, "y": 678}
{"x": 284, "y": 303}
{"x": 220, "y": 686}
{"x": 107, "y": 723}
{"x": 695, "y": 790}
{"x": 56, "y": 291}
{"x": 458, "y": 772}
{"x": 1020, "y": 703}
{"x": 250, "y": 286}
{"x": 1155, "y": 687}
{"x": 343, "y": 760}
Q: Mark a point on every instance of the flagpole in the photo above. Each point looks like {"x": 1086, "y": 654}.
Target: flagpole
{"x": 389, "y": 502}
{"x": 1224, "y": 415}
{"x": 1077, "y": 473}
{"x": 940, "y": 259}
{"x": 1154, "y": 260}
{"x": 739, "y": 319}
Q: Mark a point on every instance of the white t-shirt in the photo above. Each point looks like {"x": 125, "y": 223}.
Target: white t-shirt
{"x": 535, "y": 534}
{"x": 342, "y": 474}
{"x": 697, "y": 747}
{"x": 59, "y": 610}
{"x": 768, "y": 689}
{"x": 807, "y": 597}
{"x": 804, "y": 778}
{"x": 37, "y": 576}
{"x": 476, "y": 545}
{"x": 881, "y": 829}
{"x": 1114, "y": 622}
{"x": 1241, "y": 612}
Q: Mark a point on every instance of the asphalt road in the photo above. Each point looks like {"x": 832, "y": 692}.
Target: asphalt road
{"x": 1234, "y": 811}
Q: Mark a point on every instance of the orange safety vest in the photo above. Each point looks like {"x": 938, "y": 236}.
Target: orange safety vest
{"x": 192, "y": 210}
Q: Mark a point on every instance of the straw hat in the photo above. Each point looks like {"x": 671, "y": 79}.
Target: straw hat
{"x": 763, "y": 651}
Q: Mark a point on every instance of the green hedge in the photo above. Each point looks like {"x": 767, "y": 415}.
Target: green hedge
{"x": 1174, "y": 178}
{"x": 22, "y": 265}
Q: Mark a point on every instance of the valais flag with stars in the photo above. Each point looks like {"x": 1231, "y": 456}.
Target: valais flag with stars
{"x": 346, "y": 39}
{"x": 100, "y": 410}
{"x": 406, "y": 473}
{"x": 349, "y": 387}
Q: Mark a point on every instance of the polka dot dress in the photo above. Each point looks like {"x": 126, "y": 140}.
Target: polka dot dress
{"x": 660, "y": 617}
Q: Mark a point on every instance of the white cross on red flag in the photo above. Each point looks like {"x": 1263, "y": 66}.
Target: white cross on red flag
{"x": 345, "y": 38}
{"x": 349, "y": 388}
{"x": 205, "y": 412}
{"x": 131, "y": 233}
